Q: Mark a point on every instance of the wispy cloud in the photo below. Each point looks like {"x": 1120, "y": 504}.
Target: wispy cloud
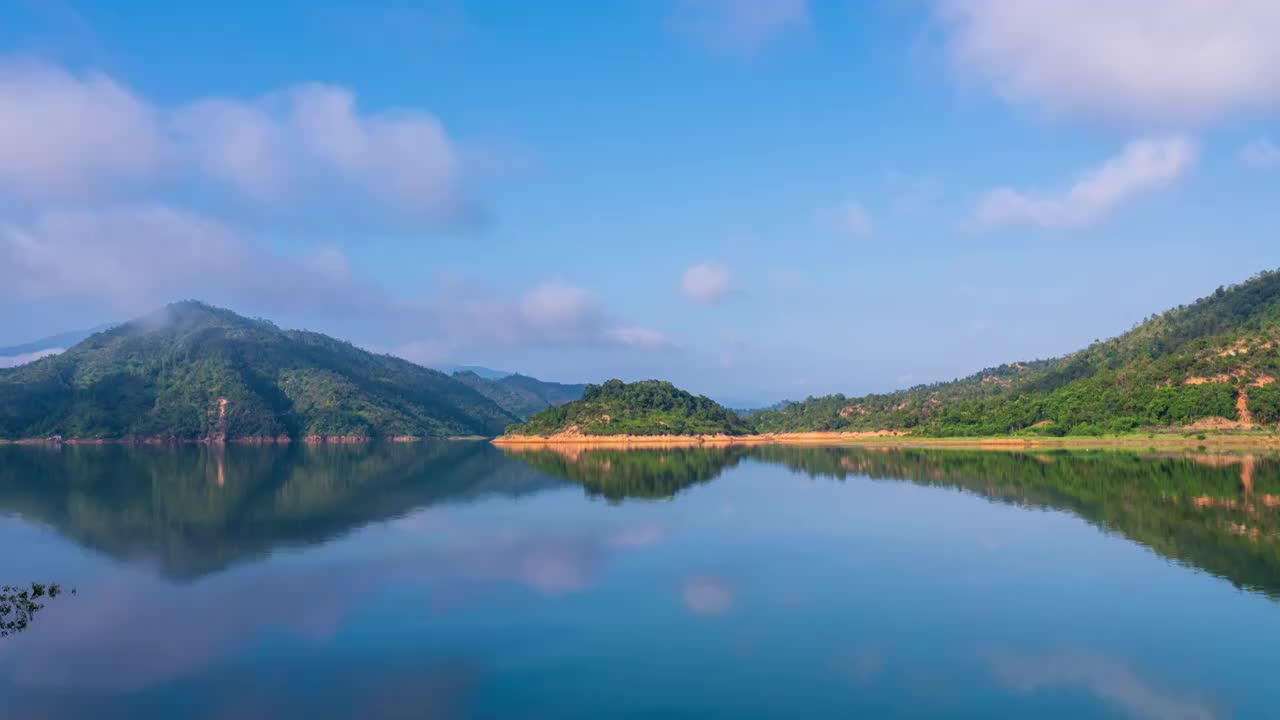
{"x": 137, "y": 257}
{"x": 7, "y": 361}
{"x": 1175, "y": 61}
{"x": 706, "y": 595}
{"x": 850, "y": 218}
{"x": 65, "y": 134}
{"x": 705, "y": 283}
{"x": 1143, "y": 166}
{"x": 1260, "y": 154}
{"x": 738, "y": 26}
{"x": 1108, "y": 679}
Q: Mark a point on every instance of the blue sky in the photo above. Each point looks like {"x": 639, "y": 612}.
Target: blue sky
{"x": 756, "y": 199}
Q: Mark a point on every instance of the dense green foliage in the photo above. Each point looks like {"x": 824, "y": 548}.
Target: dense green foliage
{"x": 648, "y": 407}
{"x": 521, "y": 395}
{"x": 1186, "y": 364}
{"x": 193, "y": 371}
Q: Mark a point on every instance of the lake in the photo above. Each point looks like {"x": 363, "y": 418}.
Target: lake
{"x": 453, "y": 579}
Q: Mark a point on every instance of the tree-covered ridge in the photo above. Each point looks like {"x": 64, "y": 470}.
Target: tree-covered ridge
{"x": 191, "y": 371}
{"x": 520, "y": 395}
{"x": 647, "y": 407}
{"x": 1213, "y": 358}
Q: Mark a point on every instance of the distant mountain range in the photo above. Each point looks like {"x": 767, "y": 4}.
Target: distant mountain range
{"x": 484, "y": 372}
{"x": 15, "y": 355}
{"x": 521, "y": 395}
{"x": 192, "y": 371}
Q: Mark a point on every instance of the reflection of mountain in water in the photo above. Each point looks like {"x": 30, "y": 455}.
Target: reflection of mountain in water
{"x": 618, "y": 473}
{"x": 1220, "y": 514}
{"x": 195, "y": 509}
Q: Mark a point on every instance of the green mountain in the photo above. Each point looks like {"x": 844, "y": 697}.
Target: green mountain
{"x": 520, "y": 395}
{"x": 648, "y": 407}
{"x": 1212, "y": 362}
{"x": 192, "y": 371}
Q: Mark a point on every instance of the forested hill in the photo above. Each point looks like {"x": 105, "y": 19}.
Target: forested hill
{"x": 191, "y": 371}
{"x": 1212, "y": 362}
{"x": 520, "y": 395}
{"x": 648, "y": 407}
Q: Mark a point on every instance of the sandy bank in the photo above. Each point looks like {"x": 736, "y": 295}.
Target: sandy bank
{"x": 246, "y": 440}
{"x": 575, "y": 438}
{"x": 1242, "y": 440}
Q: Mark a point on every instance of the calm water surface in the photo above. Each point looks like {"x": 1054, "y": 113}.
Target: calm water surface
{"x": 453, "y": 580}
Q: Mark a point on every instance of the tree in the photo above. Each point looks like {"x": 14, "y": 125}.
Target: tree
{"x": 20, "y": 603}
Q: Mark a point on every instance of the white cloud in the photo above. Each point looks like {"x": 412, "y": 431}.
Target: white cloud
{"x": 66, "y": 134}
{"x": 63, "y": 134}
{"x": 82, "y": 158}
{"x": 854, "y": 219}
{"x": 706, "y": 282}
{"x": 635, "y": 336}
{"x": 458, "y": 319}
{"x": 1167, "y": 62}
{"x": 739, "y": 26}
{"x": 1143, "y": 166}
{"x": 139, "y": 256}
{"x": 235, "y": 143}
{"x": 136, "y": 258}
{"x": 1260, "y": 154}
{"x": 8, "y": 361}
{"x": 560, "y": 311}
{"x": 404, "y": 157}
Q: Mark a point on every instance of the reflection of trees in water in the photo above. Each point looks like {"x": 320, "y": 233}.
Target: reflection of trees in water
{"x": 1218, "y": 513}
{"x": 19, "y": 605}
{"x": 197, "y": 509}
{"x": 617, "y": 473}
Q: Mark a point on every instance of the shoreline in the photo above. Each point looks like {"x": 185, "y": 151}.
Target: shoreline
{"x": 249, "y": 440}
{"x": 879, "y": 438}
{"x": 756, "y": 439}
{"x": 884, "y": 438}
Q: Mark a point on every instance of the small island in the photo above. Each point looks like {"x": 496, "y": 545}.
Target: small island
{"x": 648, "y": 411}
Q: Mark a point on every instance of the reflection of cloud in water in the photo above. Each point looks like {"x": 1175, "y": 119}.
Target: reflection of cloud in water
{"x": 867, "y": 662}
{"x": 558, "y": 569}
{"x": 1109, "y": 679}
{"x": 639, "y": 536}
{"x": 138, "y": 631}
{"x": 707, "y": 595}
